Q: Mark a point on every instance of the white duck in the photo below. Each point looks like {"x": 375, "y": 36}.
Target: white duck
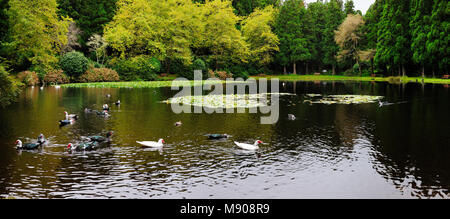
{"x": 152, "y": 144}
{"x": 70, "y": 116}
{"x": 249, "y": 146}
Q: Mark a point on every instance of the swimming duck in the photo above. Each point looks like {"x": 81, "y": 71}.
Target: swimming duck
{"x": 217, "y": 136}
{"x": 291, "y": 117}
{"x": 27, "y": 146}
{"x": 152, "y": 143}
{"x": 70, "y": 116}
{"x": 249, "y": 146}
{"x": 66, "y": 122}
{"x": 103, "y": 113}
{"x": 117, "y": 103}
{"x": 41, "y": 139}
{"x": 105, "y": 107}
{"x": 86, "y": 110}
{"x": 178, "y": 123}
{"x": 102, "y": 138}
{"x": 84, "y": 146}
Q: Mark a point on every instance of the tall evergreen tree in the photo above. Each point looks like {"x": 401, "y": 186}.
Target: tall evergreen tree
{"x": 438, "y": 37}
{"x": 290, "y": 28}
{"x": 334, "y": 16}
{"x": 393, "y": 46}
{"x": 349, "y": 7}
{"x": 420, "y": 27}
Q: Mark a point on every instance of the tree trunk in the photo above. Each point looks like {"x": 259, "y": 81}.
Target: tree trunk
{"x": 284, "y": 69}
{"x": 295, "y": 68}
{"x": 423, "y": 70}
{"x": 371, "y": 63}
{"x": 360, "y": 70}
{"x": 403, "y": 70}
{"x": 307, "y": 69}
{"x": 168, "y": 67}
{"x": 334, "y": 69}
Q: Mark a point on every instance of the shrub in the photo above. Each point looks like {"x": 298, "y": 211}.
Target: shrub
{"x": 29, "y": 78}
{"x": 74, "y": 63}
{"x": 56, "y": 77}
{"x": 9, "y": 88}
{"x": 99, "y": 75}
{"x": 188, "y": 72}
{"x": 137, "y": 68}
{"x": 222, "y": 75}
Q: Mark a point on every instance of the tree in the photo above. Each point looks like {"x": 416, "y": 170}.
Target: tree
{"x": 349, "y": 7}
{"x": 37, "y": 33}
{"x": 348, "y": 36}
{"x": 89, "y": 15}
{"x": 9, "y": 89}
{"x": 290, "y": 28}
{"x": 221, "y": 37}
{"x": 438, "y": 37}
{"x": 246, "y": 7}
{"x": 393, "y": 45}
{"x": 257, "y": 31}
{"x": 163, "y": 29}
{"x": 333, "y": 18}
{"x": 98, "y": 45}
{"x": 420, "y": 27}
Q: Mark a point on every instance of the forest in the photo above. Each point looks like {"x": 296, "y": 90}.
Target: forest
{"x": 61, "y": 41}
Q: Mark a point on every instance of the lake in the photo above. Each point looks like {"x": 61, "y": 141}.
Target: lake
{"x": 329, "y": 151}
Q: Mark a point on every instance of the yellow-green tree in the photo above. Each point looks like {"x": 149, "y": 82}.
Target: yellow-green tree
{"x": 221, "y": 37}
{"x": 163, "y": 29}
{"x": 257, "y": 32}
{"x": 37, "y": 33}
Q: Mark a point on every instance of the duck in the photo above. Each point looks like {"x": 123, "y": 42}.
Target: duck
{"x": 105, "y": 107}
{"x": 291, "y": 117}
{"x": 86, "y": 110}
{"x": 103, "y": 113}
{"x": 66, "y": 122}
{"x": 217, "y": 136}
{"x": 41, "y": 139}
{"x": 178, "y": 123}
{"x": 27, "y": 146}
{"x": 152, "y": 144}
{"x": 117, "y": 103}
{"x": 70, "y": 116}
{"x": 249, "y": 146}
{"x": 108, "y": 95}
{"x": 101, "y": 139}
{"x": 381, "y": 104}
{"x": 84, "y": 146}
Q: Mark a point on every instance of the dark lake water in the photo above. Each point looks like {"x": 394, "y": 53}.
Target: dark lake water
{"x": 330, "y": 151}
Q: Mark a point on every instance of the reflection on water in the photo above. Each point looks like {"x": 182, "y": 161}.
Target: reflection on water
{"x": 342, "y": 151}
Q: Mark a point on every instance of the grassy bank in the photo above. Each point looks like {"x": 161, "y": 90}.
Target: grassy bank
{"x": 140, "y": 84}
{"x": 167, "y": 81}
{"x": 355, "y": 78}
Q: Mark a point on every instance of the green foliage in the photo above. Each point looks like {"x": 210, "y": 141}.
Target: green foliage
{"x": 246, "y": 7}
{"x": 291, "y": 29}
{"x": 393, "y": 45}
{"x": 257, "y": 31}
{"x": 137, "y": 68}
{"x": 89, "y": 15}
{"x": 37, "y": 34}
{"x": 9, "y": 88}
{"x": 74, "y": 64}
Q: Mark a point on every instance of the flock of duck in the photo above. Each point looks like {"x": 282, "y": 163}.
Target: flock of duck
{"x": 94, "y": 142}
